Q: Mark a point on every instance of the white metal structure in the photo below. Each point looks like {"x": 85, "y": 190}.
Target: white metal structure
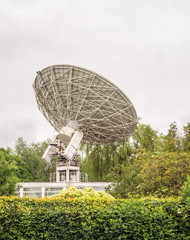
{"x": 65, "y": 148}
{"x": 103, "y": 112}
{"x": 42, "y": 189}
{"x": 77, "y": 101}
{"x": 65, "y": 145}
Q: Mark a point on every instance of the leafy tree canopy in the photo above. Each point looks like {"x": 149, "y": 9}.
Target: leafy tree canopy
{"x": 8, "y": 172}
{"x": 147, "y": 163}
{"x": 32, "y": 157}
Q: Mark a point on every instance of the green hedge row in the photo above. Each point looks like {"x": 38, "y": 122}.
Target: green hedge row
{"x": 58, "y": 218}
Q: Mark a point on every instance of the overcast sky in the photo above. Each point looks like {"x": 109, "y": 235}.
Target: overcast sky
{"x": 142, "y": 46}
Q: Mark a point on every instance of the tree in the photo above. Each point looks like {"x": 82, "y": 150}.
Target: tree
{"x": 100, "y": 161}
{"x": 96, "y": 161}
{"x": 148, "y": 163}
{"x": 126, "y": 182}
{"x": 186, "y": 138}
{"x": 146, "y": 138}
{"x": 185, "y": 190}
{"x": 163, "y": 173}
{"x": 8, "y": 176}
{"x": 173, "y": 139}
{"x": 32, "y": 157}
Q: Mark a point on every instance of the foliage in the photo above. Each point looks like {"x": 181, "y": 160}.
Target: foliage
{"x": 186, "y": 138}
{"x": 146, "y": 138}
{"x": 163, "y": 173}
{"x": 147, "y": 163}
{"x": 172, "y": 139}
{"x": 185, "y": 190}
{"x": 64, "y": 218}
{"x": 103, "y": 162}
{"x": 32, "y": 157}
{"x": 8, "y": 168}
{"x": 157, "y": 174}
{"x": 109, "y": 162}
{"x": 84, "y": 193}
{"x": 27, "y": 165}
{"x": 127, "y": 181}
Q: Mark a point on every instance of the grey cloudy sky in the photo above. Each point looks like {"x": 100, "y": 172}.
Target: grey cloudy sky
{"x": 143, "y": 46}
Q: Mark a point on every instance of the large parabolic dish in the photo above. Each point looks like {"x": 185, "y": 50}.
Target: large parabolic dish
{"x": 65, "y": 93}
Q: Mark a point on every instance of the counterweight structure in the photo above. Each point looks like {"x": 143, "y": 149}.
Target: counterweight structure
{"x": 80, "y": 103}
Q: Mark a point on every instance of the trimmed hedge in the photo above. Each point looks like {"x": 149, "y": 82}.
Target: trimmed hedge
{"x": 60, "y": 218}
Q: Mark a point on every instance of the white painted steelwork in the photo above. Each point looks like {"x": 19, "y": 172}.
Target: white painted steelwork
{"x": 42, "y": 189}
{"x": 68, "y": 93}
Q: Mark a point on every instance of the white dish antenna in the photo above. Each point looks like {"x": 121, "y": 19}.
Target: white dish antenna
{"x": 66, "y": 93}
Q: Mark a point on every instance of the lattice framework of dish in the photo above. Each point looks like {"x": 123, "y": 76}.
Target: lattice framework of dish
{"x": 66, "y": 92}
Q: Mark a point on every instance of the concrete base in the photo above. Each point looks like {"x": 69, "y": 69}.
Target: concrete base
{"x": 42, "y": 189}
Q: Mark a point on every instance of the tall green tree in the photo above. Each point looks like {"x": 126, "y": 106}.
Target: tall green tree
{"x": 145, "y": 137}
{"x": 186, "y": 138}
{"x": 173, "y": 141}
{"x": 96, "y": 161}
{"x": 125, "y": 178}
{"x": 32, "y": 157}
{"x": 103, "y": 162}
{"x": 8, "y": 172}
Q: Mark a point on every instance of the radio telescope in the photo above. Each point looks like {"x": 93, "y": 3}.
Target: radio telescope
{"x": 80, "y": 103}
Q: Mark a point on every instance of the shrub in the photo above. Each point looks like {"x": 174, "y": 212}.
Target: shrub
{"x": 93, "y": 218}
{"x": 163, "y": 174}
{"x": 185, "y": 190}
{"x": 87, "y": 192}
